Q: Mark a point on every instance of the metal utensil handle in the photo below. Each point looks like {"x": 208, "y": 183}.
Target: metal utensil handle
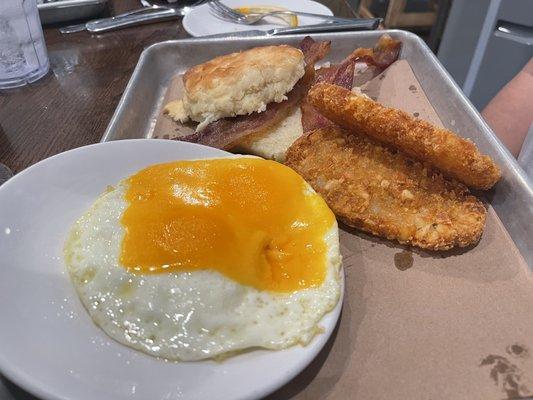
{"x": 83, "y": 26}
{"x": 117, "y": 22}
{"x": 360, "y": 24}
{"x": 324, "y": 17}
{"x": 73, "y": 28}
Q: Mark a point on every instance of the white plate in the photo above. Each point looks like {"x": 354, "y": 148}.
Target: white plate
{"x": 200, "y": 21}
{"x": 48, "y": 343}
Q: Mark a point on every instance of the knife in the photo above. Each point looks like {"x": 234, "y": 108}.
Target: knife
{"x": 356, "y": 25}
{"x": 135, "y": 17}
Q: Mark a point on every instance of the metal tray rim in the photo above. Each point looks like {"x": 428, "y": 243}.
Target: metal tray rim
{"x": 520, "y": 182}
{"x": 495, "y": 141}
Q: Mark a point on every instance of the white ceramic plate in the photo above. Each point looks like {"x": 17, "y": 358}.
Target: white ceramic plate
{"x": 200, "y": 21}
{"x": 48, "y": 343}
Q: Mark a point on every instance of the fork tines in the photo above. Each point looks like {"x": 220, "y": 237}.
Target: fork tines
{"x": 222, "y": 11}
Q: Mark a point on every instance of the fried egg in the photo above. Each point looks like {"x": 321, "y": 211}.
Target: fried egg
{"x": 201, "y": 259}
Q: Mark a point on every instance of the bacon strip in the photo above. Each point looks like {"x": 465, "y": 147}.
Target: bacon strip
{"x": 384, "y": 53}
{"x": 224, "y": 132}
{"x": 342, "y": 75}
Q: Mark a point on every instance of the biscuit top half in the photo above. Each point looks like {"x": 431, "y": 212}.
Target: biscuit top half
{"x": 239, "y": 83}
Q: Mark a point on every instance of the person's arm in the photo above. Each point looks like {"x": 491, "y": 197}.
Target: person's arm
{"x": 510, "y": 112}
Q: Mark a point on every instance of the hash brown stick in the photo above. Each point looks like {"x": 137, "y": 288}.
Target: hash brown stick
{"x": 419, "y": 139}
{"x": 375, "y": 189}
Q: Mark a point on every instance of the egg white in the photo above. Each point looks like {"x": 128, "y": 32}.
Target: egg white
{"x": 187, "y": 315}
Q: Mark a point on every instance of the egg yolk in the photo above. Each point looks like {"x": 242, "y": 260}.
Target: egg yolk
{"x": 255, "y": 221}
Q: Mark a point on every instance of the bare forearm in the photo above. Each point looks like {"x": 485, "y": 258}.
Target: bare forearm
{"x": 510, "y": 112}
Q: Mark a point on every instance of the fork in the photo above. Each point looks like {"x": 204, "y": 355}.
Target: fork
{"x": 224, "y": 12}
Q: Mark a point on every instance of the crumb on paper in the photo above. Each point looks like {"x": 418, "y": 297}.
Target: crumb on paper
{"x": 359, "y": 91}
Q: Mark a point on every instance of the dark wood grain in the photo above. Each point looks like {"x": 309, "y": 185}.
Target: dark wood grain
{"x": 73, "y": 104}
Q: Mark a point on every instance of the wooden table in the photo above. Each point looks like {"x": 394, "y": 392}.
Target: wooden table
{"x": 73, "y": 104}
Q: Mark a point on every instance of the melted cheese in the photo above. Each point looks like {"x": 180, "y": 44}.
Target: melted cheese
{"x": 254, "y": 221}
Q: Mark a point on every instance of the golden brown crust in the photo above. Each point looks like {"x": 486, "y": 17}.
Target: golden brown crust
{"x": 373, "y": 188}
{"x": 442, "y": 148}
{"x": 229, "y": 68}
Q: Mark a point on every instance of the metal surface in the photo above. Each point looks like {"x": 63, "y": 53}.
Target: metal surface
{"x": 356, "y": 25}
{"x": 145, "y": 15}
{"x": 83, "y": 26}
{"x": 108, "y": 24}
{"x": 69, "y": 10}
{"x": 119, "y": 22}
{"x": 141, "y": 103}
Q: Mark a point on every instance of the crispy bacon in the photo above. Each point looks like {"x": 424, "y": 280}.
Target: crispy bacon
{"x": 340, "y": 74}
{"x": 384, "y": 53}
{"x": 225, "y": 132}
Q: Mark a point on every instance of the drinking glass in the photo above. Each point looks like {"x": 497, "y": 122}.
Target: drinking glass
{"x": 23, "y": 56}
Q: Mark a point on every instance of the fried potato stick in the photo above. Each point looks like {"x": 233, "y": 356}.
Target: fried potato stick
{"x": 453, "y": 155}
{"x": 373, "y": 188}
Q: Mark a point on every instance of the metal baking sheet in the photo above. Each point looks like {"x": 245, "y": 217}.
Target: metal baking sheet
{"x": 69, "y": 10}
{"x": 141, "y": 103}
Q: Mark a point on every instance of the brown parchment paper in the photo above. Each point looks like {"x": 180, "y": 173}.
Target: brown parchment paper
{"x": 416, "y": 324}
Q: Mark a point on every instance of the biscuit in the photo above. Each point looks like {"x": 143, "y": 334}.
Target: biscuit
{"x": 239, "y": 83}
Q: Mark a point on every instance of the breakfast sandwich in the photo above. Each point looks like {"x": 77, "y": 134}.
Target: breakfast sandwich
{"x": 238, "y": 84}
{"x": 241, "y": 109}
{"x": 235, "y": 95}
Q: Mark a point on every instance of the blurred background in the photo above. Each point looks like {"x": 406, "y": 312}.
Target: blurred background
{"x": 483, "y": 43}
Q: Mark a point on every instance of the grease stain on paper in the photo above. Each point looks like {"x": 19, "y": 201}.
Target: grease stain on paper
{"x": 517, "y": 350}
{"x": 507, "y": 375}
{"x": 403, "y": 260}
